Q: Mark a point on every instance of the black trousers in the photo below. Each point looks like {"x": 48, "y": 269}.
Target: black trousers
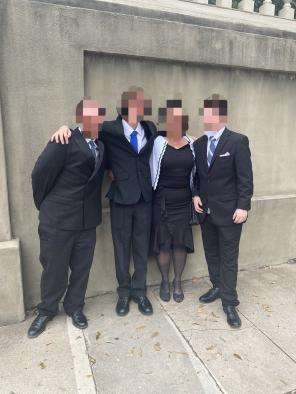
{"x": 130, "y": 226}
{"x": 59, "y": 251}
{"x": 221, "y": 246}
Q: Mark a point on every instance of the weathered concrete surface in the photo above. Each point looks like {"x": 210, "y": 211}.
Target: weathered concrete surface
{"x": 11, "y": 284}
{"x": 147, "y": 44}
{"x": 182, "y": 348}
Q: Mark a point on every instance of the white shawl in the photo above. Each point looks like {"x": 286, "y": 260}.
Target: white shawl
{"x": 159, "y": 148}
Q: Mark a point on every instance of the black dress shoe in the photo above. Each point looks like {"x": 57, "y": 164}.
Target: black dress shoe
{"x": 144, "y": 305}
{"x": 178, "y": 297}
{"x": 210, "y": 296}
{"x": 122, "y": 306}
{"x": 79, "y": 320}
{"x": 38, "y": 325}
{"x": 164, "y": 291}
{"x": 232, "y": 316}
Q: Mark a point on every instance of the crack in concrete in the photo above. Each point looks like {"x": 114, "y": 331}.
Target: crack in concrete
{"x": 218, "y": 385}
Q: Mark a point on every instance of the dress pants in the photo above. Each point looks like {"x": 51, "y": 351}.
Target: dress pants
{"x": 59, "y": 251}
{"x": 221, "y": 246}
{"x": 130, "y": 225}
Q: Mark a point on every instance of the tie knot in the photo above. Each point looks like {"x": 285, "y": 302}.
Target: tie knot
{"x": 92, "y": 144}
{"x": 212, "y": 139}
{"x": 134, "y": 133}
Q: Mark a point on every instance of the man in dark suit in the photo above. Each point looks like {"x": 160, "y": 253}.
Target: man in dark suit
{"x": 223, "y": 189}
{"x": 129, "y": 141}
{"x": 66, "y": 184}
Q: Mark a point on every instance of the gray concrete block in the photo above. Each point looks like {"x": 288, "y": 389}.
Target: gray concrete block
{"x": 11, "y": 287}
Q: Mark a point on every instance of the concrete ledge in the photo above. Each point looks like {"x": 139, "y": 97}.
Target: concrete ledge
{"x": 11, "y": 286}
{"x": 269, "y": 238}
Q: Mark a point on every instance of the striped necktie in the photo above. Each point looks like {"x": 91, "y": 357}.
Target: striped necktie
{"x": 211, "y": 151}
{"x": 93, "y": 148}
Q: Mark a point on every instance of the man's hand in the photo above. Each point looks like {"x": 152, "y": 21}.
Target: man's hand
{"x": 240, "y": 216}
{"x": 197, "y": 204}
{"x": 62, "y": 135}
{"x": 111, "y": 176}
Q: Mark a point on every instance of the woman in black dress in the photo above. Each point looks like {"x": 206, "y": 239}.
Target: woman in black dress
{"x": 172, "y": 168}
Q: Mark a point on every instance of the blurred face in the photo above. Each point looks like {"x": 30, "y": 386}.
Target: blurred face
{"x": 212, "y": 119}
{"x": 135, "y": 105}
{"x": 92, "y": 118}
{"x": 174, "y": 122}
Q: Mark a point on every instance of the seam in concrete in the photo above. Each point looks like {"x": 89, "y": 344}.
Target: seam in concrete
{"x": 85, "y": 380}
{"x": 268, "y": 337}
{"x": 207, "y": 380}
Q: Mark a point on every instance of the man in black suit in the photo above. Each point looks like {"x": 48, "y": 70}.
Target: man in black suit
{"x": 66, "y": 184}
{"x": 129, "y": 141}
{"x": 222, "y": 197}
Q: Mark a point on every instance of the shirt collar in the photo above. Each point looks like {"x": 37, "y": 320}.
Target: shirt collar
{"x": 87, "y": 139}
{"x": 128, "y": 129}
{"x": 216, "y": 134}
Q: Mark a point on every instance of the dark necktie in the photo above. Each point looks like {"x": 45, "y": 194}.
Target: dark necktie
{"x": 93, "y": 148}
{"x": 211, "y": 151}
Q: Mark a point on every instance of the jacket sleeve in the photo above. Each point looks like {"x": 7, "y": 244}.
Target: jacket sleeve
{"x": 244, "y": 174}
{"x": 102, "y": 138}
{"x": 196, "y": 181}
{"x": 46, "y": 170}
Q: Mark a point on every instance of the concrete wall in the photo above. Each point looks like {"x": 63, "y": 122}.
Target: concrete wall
{"x": 53, "y": 53}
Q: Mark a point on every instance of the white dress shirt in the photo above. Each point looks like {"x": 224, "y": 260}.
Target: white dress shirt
{"x": 141, "y": 137}
{"x": 216, "y": 134}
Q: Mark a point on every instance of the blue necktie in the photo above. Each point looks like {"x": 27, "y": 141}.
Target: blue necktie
{"x": 211, "y": 151}
{"x": 134, "y": 140}
{"x": 93, "y": 148}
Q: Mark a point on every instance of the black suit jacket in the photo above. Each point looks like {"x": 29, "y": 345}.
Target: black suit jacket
{"x": 131, "y": 171}
{"x": 66, "y": 183}
{"x": 228, "y": 183}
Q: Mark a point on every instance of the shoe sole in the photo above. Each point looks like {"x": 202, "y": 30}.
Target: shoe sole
{"x": 209, "y": 302}
{"x": 80, "y": 328}
{"x": 122, "y": 314}
{"x": 37, "y": 335}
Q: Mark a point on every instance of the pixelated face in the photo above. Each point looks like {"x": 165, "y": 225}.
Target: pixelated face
{"x": 176, "y": 123}
{"x": 174, "y": 119}
{"x": 134, "y": 107}
{"x": 92, "y": 118}
{"x": 211, "y": 115}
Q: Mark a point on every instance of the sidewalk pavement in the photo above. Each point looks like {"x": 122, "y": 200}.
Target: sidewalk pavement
{"x": 182, "y": 348}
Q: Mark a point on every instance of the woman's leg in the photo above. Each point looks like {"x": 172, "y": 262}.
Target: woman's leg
{"x": 163, "y": 261}
{"x": 179, "y": 259}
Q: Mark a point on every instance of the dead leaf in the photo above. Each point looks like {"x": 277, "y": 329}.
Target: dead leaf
{"x": 237, "y": 356}
{"x": 157, "y": 346}
{"x": 266, "y": 307}
{"x": 155, "y": 334}
{"x": 92, "y": 360}
{"x": 140, "y": 328}
{"x": 42, "y": 365}
{"x": 211, "y": 347}
{"x": 98, "y": 334}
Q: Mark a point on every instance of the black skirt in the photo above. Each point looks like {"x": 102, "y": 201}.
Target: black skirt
{"x": 172, "y": 202}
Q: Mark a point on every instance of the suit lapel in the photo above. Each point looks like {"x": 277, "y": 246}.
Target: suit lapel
{"x": 222, "y": 141}
{"x": 148, "y": 135}
{"x": 203, "y": 150}
{"x": 82, "y": 143}
{"x": 120, "y": 131}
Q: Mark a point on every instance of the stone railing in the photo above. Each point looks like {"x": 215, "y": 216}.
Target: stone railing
{"x": 267, "y": 8}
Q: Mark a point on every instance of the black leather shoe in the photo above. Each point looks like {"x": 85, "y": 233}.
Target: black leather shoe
{"x": 79, "y": 320}
{"x": 164, "y": 291}
{"x": 210, "y": 296}
{"x": 233, "y": 318}
{"x": 38, "y": 325}
{"x": 178, "y": 297}
{"x": 122, "y": 306}
{"x": 144, "y": 305}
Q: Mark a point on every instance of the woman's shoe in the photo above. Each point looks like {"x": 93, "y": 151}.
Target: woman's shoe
{"x": 178, "y": 297}
{"x": 164, "y": 291}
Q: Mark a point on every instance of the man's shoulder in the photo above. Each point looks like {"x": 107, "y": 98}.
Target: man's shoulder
{"x": 150, "y": 125}
{"x": 200, "y": 140}
{"x": 235, "y": 136}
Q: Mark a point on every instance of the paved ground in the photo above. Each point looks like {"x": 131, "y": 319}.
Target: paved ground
{"x": 183, "y": 348}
